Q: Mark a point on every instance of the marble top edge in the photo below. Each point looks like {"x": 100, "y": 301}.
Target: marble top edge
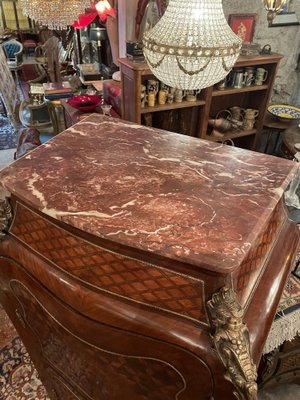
{"x": 180, "y": 197}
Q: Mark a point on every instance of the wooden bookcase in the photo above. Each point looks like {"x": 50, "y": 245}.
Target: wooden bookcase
{"x": 191, "y": 118}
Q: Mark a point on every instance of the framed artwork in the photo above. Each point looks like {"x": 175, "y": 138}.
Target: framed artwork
{"x": 284, "y": 19}
{"x": 243, "y": 25}
{"x": 286, "y": 8}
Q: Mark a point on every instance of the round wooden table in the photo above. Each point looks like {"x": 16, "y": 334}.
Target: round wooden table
{"x": 290, "y": 137}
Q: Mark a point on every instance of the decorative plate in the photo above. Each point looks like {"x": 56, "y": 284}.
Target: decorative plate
{"x": 284, "y": 112}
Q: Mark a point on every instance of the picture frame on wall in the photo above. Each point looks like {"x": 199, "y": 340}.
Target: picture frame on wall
{"x": 243, "y": 25}
{"x": 284, "y": 19}
{"x": 286, "y": 8}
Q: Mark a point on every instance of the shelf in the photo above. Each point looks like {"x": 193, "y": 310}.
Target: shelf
{"x": 242, "y": 90}
{"x": 172, "y": 106}
{"x": 232, "y": 135}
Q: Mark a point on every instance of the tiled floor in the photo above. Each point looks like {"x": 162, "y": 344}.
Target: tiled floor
{"x": 6, "y": 157}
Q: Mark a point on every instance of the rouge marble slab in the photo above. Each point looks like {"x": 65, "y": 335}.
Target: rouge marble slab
{"x": 180, "y": 197}
{"x": 134, "y": 256}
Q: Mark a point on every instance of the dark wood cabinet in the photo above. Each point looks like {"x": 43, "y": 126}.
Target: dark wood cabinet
{"x": 80, "y": 357}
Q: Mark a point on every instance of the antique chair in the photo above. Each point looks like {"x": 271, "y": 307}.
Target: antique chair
{"x": 29, "y": 41}
{"x": 39, "y": 115}
{"x": 34, "y": 115}
{"x": 13, "y": 51}
{"x": 29, "y": 44}
{"x": 53, "y": 56}
{"x": 14, "y": 54}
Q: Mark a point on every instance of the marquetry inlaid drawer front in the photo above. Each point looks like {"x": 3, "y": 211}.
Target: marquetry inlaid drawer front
{"x": 114, "y": 274}
{"x": 80, "y": 358}
{"x": 247, "y": 275}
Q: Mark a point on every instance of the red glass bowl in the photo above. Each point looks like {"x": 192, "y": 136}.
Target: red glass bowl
{"x": 85, "y": 102}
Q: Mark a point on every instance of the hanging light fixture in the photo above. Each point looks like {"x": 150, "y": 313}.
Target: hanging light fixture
{"x": 273, "y": 6}
{"x": 191, "y": 46}
{"x": 104, "y": 9}
{"x": 56, "y": 14}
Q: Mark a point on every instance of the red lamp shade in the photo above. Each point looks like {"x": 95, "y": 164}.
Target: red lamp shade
{"x": 84, "y": 20}
{"x": 104, "y": 9}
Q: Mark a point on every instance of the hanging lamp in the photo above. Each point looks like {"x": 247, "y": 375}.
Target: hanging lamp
{"x": 192, "y": 45}
{"x": 56, "y": 14}
{"x": 104, "y": 9}
{"x": 273, "y": 6}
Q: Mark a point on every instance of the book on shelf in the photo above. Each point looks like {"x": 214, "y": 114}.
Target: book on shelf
{"x": 57, "y": 87}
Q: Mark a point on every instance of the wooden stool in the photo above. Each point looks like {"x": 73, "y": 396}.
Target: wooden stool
{"x": 29, "y": 44}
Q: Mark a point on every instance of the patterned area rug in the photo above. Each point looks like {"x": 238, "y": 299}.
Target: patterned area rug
{"x": 7, "y": 330}
{"x": 32, "y": 72}
{"x": 8, "y": 135}
{"x": 19, "y": 379}
{"x": 286, "y": 324}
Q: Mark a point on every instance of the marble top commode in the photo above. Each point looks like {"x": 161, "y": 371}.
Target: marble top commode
{"x": 151, "y": 260}
{"x": 183, "y": 198}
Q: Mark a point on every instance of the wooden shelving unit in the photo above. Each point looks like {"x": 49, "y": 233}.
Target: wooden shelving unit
{"x": 192, "y": 117}
{"x": 251, "y": 88}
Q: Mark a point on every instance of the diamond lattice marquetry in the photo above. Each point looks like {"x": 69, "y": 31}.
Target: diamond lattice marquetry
{"x": 257, "y": 255}
{"x": 116, "y": 274}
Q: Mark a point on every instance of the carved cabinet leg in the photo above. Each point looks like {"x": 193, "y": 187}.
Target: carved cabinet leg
{"x": 231, "y": 341}
{"x": 5, "y": 217}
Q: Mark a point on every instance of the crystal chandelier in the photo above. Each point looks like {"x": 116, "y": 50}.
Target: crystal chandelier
{"x": 191, "y": 46}
{"x": 56, "y": 14}
{"x": 273, "y": 6}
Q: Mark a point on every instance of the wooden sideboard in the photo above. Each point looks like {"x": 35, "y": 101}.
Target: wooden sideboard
{"x": 140, "y": 264}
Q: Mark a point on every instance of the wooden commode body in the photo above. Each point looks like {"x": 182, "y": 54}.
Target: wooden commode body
{"x": 140, "y": 264}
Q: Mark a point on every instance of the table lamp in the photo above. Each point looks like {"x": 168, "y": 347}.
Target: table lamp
{"x": 98, "y": 35}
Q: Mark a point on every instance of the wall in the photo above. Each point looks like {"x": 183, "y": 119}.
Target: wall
{"x": 284, "y": 40}
{"x": 131, "y": 6}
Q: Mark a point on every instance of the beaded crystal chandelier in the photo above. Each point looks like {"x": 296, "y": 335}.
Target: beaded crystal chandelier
{"x": 191, "y": 46}
{"x": 273, "y": 6}
{"x": 56, "y": 14}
